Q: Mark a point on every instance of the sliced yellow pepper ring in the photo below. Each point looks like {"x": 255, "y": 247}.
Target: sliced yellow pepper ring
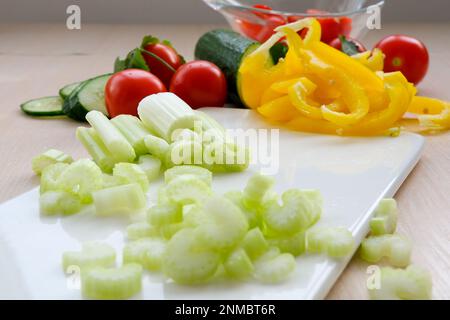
{"x": 280, "y": 110}
{"x": 298, "y": 94}
{"x": 400, "y": 95}
{"x": 432, "y": 113}
{"x": 283, "y": 86}
{"x": 374, "y": 60}
{"x": 314, "y": 30}
{"x": 355, "y": 99}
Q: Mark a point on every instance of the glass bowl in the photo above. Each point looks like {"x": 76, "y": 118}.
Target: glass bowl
{"x": 347, "y": 17}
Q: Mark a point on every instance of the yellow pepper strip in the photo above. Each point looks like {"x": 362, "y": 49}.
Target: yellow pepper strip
{"x": 432, "y": 113}
{"x": 298, "y": 97}
{"x": 302, "y": 123}
{"x": 374, "y": 60}
{"x": 356, "y": 100}
{"x": 400, "y": 93}
{"x": 355, "y": 70}
{"x": 280, "y": 110}
{"x": 284, "y": 86}
{"x": 257, "y": 71}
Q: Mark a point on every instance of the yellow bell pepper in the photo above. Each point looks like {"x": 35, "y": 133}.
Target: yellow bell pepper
{"x": 317, "y": 88}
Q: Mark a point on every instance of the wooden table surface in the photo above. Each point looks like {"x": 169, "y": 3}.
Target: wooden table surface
{"x": 37, "y": 60}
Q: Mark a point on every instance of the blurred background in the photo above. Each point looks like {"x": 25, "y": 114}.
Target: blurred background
{"x": 183, "y": 11}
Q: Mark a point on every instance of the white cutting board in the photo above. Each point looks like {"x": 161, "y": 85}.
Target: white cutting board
{"x": 353, "y": 174}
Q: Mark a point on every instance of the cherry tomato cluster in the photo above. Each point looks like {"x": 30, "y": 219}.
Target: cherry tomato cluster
{"x": 198, "y": 83}
{"x": 402, "y": 53}
{"x": 264, "y": 29}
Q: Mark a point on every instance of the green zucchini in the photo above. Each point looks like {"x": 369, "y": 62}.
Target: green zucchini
{"x": 226, "y": 49}
{"x": 65, "y": 91}
{"x": 89, "y": 95}
{"x": 43, "y": 107}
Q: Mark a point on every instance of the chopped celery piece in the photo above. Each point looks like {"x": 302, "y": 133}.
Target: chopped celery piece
{"x": 395, "y": 248}
{"x": 225, "y": 157}
{"x": 203, "y": 174}
{"x": 126, "y": 198}
{"x": 50, "y": 175}
{"x": 162, "y": 195}
{"x": 59, "y": 202}
{"x": 92, "y": 254}
{"x": 187, "y": 189}
{"x": 194, "y": 216}
{"x": 257, "y": 187}
{"x": 108, "y": 283}
{"x": 254, "y": 243}
{"x": 295, "y": 244}
{"x": 225, "y": 224}
{"x": 48, "y": 158}
{"x": 384, "y": 220}
{"x": 186, "y": 135}
{"x": 336, "y": 242}
{"x": 168, "y": 231}
{"x": 133, "y": 130}
{"x": 156, "y": 146}
{"x": 211, "y": 129}
{"x": 160, "y": 215}
{"x": 114, "y": 141}
{"x": 165, "y": 112}
{"x": 147, "y": 252}
{"x": 151, "y": 165}
{"x": 298, "y": 212}
{"x": 238, "y": 265}
{"x": 273, "y": 267}
{"x": 184, "y": 153}
{"x": 96, "y": 148}
{"x": 110, "y": 181}
{"x": 140, "y": 230}
{"x": 81, "y": 178}
{"x": 237, "y": 197}
{"x": 131, "y": 173}
{"x": 187, "y": 261}
{"x": 412, "y": 283}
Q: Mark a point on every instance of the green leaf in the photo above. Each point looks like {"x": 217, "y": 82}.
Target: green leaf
{"x": 348, "y": 47}
{"x": 134, "y": 60}
{"x": 149, "y": 40}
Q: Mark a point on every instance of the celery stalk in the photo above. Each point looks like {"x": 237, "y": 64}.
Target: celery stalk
{"x": 114, "y": 141}
{"x": 164, "y": 112}
{"x": 96, "y": 148}
{"x": 133, "y": 130}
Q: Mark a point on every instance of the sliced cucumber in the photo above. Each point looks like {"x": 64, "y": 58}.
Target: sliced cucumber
{"x": 89, "y": 95}
{"x": 65, "y": 91}
{"x": 43, "y": 107}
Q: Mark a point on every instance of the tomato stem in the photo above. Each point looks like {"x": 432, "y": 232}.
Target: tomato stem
{"x": 168, "y": 66}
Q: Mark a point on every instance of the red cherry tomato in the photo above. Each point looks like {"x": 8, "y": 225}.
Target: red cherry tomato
{"x": 200, "y": 84}
{"x": 261, "y": 32}
{"x": 337, "y": 44}
{"x": 158, "y": 68}
{"x": 332, "y": 27}
{"x": 125, "y": 89}
{"x": 405, "y": 54}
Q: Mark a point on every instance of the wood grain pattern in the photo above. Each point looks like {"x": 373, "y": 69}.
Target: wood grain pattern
{"x": 36, "y": 60}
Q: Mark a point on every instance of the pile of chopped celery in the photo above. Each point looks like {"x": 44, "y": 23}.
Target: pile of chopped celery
{"x": 404, "y": 281}
{"x": 194, "y": 236}
{"x": 191, "y": 234}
